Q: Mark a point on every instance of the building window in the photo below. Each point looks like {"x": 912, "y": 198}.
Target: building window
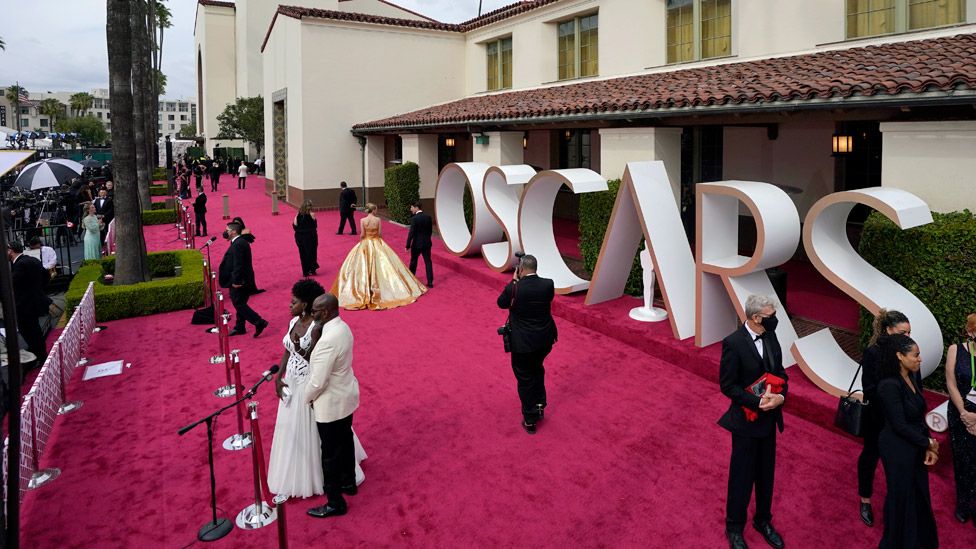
{"x": 170, "y": 106}
{"x": 499, "y": 61}
{"x": 99, "y": 115}
{"x": 578, "y": 46}
{"x": 24, "y": 122}
{"x": 183, "y": 117}
{"x": 183, "y": 107}
{"x": 172, "y": 117}
{"x": 172, "y": 127}
{"x": 879, "y": 17}
{"x": 44, "y": 122}
{"x": 25, "y": 110}
{"x": 698, "y": 29}
{"x": 574, "y": 148}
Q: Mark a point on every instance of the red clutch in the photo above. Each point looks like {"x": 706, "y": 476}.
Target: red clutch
{"x": 758, "y": 388}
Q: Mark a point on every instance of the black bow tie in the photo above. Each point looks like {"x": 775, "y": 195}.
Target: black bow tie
{"x": 760, "y": 336}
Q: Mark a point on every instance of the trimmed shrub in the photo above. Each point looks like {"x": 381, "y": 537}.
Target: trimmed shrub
{"x": 159, "y": 174}
{"x": 401, "y": 187}
{"x": 594, "y": 216}
{"x": 157, "y": 216}
{"x": 158, "y": 190}
{"x": 161, "y": 295}
{"x": 159, "y": 206}
{"x": 935, "y": 262}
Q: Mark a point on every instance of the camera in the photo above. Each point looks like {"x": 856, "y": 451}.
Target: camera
{"x": 506, "y": 333}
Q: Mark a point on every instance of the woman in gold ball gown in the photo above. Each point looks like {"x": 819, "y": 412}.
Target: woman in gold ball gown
{"x": 372, "y": 275}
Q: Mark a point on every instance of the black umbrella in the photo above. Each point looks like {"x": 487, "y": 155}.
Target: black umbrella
{"x": 46, "y": 174}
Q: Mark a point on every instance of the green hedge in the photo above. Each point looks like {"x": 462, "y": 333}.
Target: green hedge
{"x": 159, "y": 206}
{"x": 935, "y": 262}
{"x": 157, "y": 216}
{"x": 157, "y": 296}
{"x": 594, "y": 216}
{"x": 158, "y": 190}
{"x": 159, "y": 174}
{"x": 401, "y": 187}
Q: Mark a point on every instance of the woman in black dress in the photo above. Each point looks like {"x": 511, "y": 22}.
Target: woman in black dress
{"x": 961, "y": 381}
{"x": 906, "y": 448}
{"x": 307, "y": 238}
{"x": 885, "y": 323}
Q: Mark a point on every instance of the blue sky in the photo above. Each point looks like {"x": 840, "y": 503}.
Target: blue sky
{"x": 59, "y": 45}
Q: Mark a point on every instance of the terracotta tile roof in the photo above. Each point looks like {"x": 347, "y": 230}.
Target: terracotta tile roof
{"x": 216, "y": 3}
{"x": 941, "y": 65}
{"x": 505, "y": 12}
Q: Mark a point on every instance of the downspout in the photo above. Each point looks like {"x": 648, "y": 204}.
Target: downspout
{"x": 362, "y": 149}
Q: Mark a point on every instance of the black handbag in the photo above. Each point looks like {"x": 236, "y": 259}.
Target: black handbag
{"x": 850, "y": 411}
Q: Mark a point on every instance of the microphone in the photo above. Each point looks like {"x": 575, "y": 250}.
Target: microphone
{"x": 266, "y": 376}
{"x": 209, "y": 242}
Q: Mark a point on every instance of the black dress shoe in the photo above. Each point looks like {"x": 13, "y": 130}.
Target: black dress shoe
{"x": 430, "y": 284}
{"x": 236, "y": 332}
{"x": 736, "y": 541}
{"x": 529, "y": 427}
{"x": 867, "y": 515}
{"x": 326, "y": 511}
{"x": 350, "y": 490}
{"x": 260, "y": 328}
{"x": 769, "y": 534}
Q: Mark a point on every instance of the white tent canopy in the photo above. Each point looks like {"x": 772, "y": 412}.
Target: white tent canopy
{"x": 10, "y": 159}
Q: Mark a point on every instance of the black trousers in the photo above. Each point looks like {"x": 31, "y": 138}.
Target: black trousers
{"x": 214, "y": 180}
{"x": 429, "y": 269}
{"x": 530, "y": 376}
{"x": 241, "y": 182}
{"x": 753, "y": 464}
{"x": 239, "y": 297}
{"x": 338, "y": 458}
{"x": 867, "y": 462}
{"x": 201, "y": 220}
{"x": 347, "y": 216}
{"x": 29, "y": 326}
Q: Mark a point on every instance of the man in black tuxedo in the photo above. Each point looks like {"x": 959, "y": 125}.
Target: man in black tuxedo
{"x": 237, "y": 273}
{"x": 215, "y": 170}
{"x": 528, "y": 298}
{"x": 200, "y": 212}
{"x": 418, "y": 241}
{"x": 747, "y": 354}
{"x": 105, "y": 209}
{"x": 29, "y": 280}
{"x": 347, "y": 200}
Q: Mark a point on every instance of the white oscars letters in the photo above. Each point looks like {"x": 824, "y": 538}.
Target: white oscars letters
{"x": 704, "y": 296}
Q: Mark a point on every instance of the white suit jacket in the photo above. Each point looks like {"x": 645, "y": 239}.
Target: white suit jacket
{"x": 332, "y": 387}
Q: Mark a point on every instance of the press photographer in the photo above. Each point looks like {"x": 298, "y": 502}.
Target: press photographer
{"x": 531, "y": 334}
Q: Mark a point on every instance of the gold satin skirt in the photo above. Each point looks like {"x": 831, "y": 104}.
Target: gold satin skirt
{"x": 373, "y": 277}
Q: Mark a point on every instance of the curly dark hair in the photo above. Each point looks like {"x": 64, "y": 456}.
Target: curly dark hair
{"x": 883, "y": 320}
{"x": 890, "y": 347}
{"x": 306, "y": 290}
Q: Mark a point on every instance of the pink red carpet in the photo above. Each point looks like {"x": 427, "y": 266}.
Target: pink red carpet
{"x": 629, "y": 454}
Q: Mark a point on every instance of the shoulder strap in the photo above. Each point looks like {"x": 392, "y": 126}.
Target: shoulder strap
{"x": 851, "y": 386}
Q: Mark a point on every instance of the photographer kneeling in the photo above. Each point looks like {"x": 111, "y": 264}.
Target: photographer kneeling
{"x": 529, "y": 335}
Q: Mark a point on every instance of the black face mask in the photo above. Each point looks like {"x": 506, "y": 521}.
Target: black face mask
{"x": 226, "y": 235}
{"x": 769, "y": 323}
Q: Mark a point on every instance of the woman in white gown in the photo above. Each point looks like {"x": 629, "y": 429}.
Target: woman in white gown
{"x": 295, "y": 467}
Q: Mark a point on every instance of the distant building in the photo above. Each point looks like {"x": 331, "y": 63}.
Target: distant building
{"x": 173, "y": 113}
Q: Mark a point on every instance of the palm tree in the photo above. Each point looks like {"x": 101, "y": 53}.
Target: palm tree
{"x": 81, "y": 102}
{"x": 131, "y": 263}
{"x": 13, "y": 95}
{"x": 53, "y": 109}
{"x": 141, "y": 99}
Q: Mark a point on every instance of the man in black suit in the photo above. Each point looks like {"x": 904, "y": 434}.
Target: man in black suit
{"x": 105, "y": 209}
{"x": 237, "y": 273}
{"x": 528, "y": 298}
{"x": 200, "y": 212}
{"x": 347, "y": 200}
{"x": 215, "y": 170}
{"x": 418, "y": 241}
{"x": 747, "y": 354}
{"x": 29, "y": 280}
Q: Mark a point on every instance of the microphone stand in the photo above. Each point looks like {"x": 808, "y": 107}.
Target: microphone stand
{"x": 218, "y": 527}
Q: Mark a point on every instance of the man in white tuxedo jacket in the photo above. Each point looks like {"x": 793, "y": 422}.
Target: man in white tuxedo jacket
{"x": 333, "y": 392}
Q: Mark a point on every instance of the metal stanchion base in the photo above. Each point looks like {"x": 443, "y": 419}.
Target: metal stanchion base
{"x": 99, "y": 329}
{"x": 238, "y": 441}
{"x": 212, "y": 330}
{"x": 252, "y": 518}
{"x": 217, "y": 359}
{"x": 82, "y": 361}
{"x": 42, "y": 477}
{"x": 69, "y": 407}
{"x": 212, "y": 531}
{"x": 226, "y": 391}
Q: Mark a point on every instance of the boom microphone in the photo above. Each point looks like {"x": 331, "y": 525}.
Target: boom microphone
{"x": 209, "y": 242}
{"x": 266, "y": 376}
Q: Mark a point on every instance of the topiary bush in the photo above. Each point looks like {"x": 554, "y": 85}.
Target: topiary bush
{"x": 158, "y": 190}
{"x": 166, "y": 293}
{"x": 935, "y": 262}
{"x": 401, "y": 188}
{"x": 158, "y": 206}
{"x": 594, "y": 216}
{"x": 157, "y": 216}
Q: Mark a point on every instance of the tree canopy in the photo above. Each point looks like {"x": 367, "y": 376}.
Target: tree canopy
{"x": 53, "y": 109}
{"x": 188, "y": 131}
{"x": 80, "y": 102}
{"x": 243, "y": 120}
{"x": 90, "y": 130}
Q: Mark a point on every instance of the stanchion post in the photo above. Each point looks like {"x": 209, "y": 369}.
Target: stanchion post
{"x": 279, "y": 503}
{"x": 274, "y": 203}
{"x": 239, "y": 440}
{"x": 258, "y": 514}
{"x": 226, "y": 201}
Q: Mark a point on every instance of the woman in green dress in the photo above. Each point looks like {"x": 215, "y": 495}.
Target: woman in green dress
{"x": 93, "y": 237}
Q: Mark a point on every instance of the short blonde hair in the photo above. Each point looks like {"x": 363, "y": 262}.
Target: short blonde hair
{"x": 306, "y": 207}
{"x": 370, "y": 207}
